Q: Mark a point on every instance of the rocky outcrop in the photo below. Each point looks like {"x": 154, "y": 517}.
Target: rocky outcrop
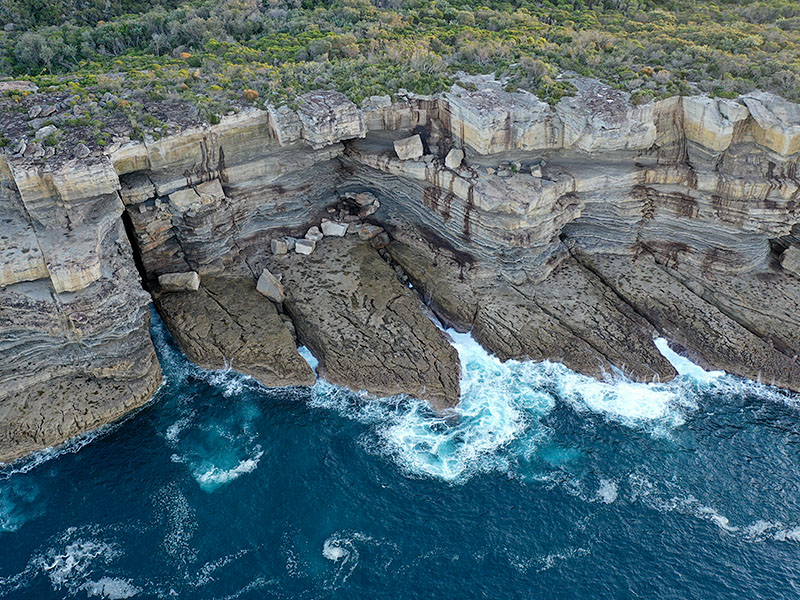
{"x": 368, "y": 331}
{"x": 228, "y": 324}
{"x": 573, "y": 232}
{"x": 573, "y": 318}
{"x": 76, "y": 351}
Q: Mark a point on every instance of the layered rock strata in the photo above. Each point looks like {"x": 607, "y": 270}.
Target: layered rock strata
{"x": 74, "y": 324}
{"x": 573, "y": 232}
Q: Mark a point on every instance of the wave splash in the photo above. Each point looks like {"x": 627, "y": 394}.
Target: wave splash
{"x": 501, "y": 420}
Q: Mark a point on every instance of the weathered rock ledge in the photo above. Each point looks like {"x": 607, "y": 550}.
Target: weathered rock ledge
{"x": 367, "y": 329}
{"x": 575, "y": 232}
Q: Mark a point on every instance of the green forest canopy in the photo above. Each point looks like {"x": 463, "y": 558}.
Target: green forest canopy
{"x": 209, "y": 52}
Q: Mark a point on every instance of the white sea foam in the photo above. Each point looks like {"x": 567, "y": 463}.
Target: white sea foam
{"x": 788, "y": 535}
{"x": 333, "y": 551}
{"x": 550, "y": 560}
{"x": 179, "y": 523}
{"x": 629, "y": 403}
{"x": 684, "y": 366}
{"x": 309, "y": 358}
{"x": 213, "y": 477}
{"x": 608, "y": 491}
{"x": 342, "y": 550}
{"x": 68, "y": 568}
{"x": 174, "y": 430}
{"x": 499, "y": 418}
{"x": 113, "y": 589}
{"x": 499, "y": 401}
{"x": 206, "y": 573}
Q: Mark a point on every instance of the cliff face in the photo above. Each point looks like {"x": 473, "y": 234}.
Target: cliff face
{"x": 74, "y": 339}
{"x": 574, "y": 233}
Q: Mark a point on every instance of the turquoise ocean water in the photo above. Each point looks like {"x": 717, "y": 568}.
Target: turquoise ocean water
{"x": 547, "y": 485}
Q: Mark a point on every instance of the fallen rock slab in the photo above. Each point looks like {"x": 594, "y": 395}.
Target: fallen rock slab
{"x": 270, "y": 286}
{"x": 334, "y": 229}
{"x": 454, "y": 158}
{"x": 304, "y": 246}
{"x": 409, "y": 148}
{"x": 368, "y": 331}
{"x": 179, "y": 282}
{"x": 279, "y": 246}
{"x": 367, "y": 232}
{"x": 228, "y": 323}
{"x": 790, "y": 260}
{"x": 314, "y": 234}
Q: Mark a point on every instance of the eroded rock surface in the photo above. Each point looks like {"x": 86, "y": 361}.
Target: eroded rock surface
{"x": 368, "y": 331}
{"x": 75, "y": 349}
{"x": 228, "y": 323}
{"x": 572, "y": 317}
{"x": 709, "y": 337}
{"x": 573, "y": 232}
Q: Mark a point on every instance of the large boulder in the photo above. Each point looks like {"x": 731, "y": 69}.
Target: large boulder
{"x": 409, "y": 148}
{"x": 179, "y": 282}
{"x": 334, "y": 229}
{"x": 270, "y": 286}
{"x": 454, "y": 158}
{"x": 304, "y": 246}
{"x": 790, "y": 260}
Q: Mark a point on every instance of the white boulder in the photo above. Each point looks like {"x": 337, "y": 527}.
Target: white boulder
{"x": 179, "y": 282}
{"x": 454, "y": 158}
{"x": 271, "y": 287}
{"x": 305, "y": 246}
{"x": 333, "y": 229}
{"x": 409, "y": 148}
{"x": 314, "y": 234}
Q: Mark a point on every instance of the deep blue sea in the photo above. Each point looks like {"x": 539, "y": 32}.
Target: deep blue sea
{"x": 549, "y": 485}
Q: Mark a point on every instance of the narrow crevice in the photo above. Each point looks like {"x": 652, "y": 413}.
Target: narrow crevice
{"x": 137, "y": 254}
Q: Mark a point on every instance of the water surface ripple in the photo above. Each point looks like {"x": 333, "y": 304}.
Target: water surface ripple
{"x": 542, "y": 484}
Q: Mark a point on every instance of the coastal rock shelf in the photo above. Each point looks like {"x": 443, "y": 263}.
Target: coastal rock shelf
{"x": 227, "y": 323}
{"x": 368, "y": 331}
{"x": 575, "y": 232}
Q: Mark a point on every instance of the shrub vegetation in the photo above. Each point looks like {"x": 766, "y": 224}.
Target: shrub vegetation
{"x": 213, "y": 52}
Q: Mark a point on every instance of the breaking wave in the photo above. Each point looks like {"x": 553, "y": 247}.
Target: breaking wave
{"x": 501, "y": 420}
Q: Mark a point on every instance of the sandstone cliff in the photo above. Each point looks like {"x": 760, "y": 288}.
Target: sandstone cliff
{"x": 576, "y": 232}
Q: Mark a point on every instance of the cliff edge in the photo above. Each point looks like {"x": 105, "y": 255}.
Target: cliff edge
{"x": 576, "y": 232}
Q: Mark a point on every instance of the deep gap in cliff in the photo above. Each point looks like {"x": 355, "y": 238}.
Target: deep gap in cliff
{"x": 137, "y": 255}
